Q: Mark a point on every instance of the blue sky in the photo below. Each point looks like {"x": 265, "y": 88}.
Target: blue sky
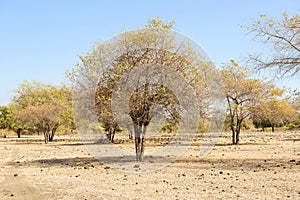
{"x": 40, "y": 40}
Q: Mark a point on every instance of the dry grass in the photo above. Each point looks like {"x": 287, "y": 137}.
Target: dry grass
{"x": 263, "y": 166}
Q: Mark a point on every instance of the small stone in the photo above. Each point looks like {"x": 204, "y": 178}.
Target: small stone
{"x": 15, "y": 175}
{"x": 106, "y": 167}
{"x": 293, "y": 160}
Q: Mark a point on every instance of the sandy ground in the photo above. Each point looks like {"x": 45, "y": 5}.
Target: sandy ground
{"x": 263, "y": 166}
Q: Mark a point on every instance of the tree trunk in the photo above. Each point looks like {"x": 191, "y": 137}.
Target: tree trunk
{"x": 233, "y": 131}
{"x": 139, "y": 141}
{"x": 19, "y": 132}
{"x": 142, "y": 144}
{"x": 111, "y": 134}
{"x": 130, "y": 134}
{"x": 273, "y": 128}
{"x": 113, "y": 131}
{"x": 237, "y": 140}
{"x": 51, "y": 137}
{"x": 233, "y": 136}
{"x": 263, "y": 128}
{"x": 108, "y": 134}
{"x": 237, "y": 131}
{"x": 46, "y": 135}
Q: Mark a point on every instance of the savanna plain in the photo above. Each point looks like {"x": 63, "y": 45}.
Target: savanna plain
{"x": 264, "y": 165}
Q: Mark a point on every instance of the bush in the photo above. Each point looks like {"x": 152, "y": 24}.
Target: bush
{"x": 169, "y": 128}
{"x": 203, "y": 126}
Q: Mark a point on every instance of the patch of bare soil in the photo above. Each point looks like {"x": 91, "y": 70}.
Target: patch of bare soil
{"x": 263, "y": 166}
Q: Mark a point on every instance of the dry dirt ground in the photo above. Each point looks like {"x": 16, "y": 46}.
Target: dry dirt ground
{"x": 263, "y": 166}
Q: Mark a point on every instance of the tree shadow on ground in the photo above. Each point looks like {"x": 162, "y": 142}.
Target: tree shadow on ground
{"x": 246, "y": 165}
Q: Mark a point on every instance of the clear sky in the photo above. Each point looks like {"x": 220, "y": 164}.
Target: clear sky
{"x": 40, "y": 40}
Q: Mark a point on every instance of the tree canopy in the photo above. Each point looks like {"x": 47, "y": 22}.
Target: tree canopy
{"x": 283, "y": 38}
{"x": 243, "y": 93}
{"x": 43, "y": 107}
{"x": 274, "y": 112}
{"x": 136, "y": 68}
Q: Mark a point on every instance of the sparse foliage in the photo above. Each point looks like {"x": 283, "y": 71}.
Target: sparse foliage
{"x": 242, "y": 93}
{"x": 153, "y": 45}
{"x": 283, "y": 37}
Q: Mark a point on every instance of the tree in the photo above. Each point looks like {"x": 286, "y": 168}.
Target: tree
{"x": 283, "y": 36}
{"x": 45, "y": 118}
{"x": 294, "y": 98}
{"x": 242, "y": 94}
{"x": 131, "y": 68}
{"x": 9, "y": 121}
{"x": 43, "y": 107}
{"x": 274, "y": 112}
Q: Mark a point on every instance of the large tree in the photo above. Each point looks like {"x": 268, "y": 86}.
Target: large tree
{"x": 242, "y": 93}
{"x": 137, "y": 74}
{"x": 43, "y": 107}
{"x": 283, "y": 38}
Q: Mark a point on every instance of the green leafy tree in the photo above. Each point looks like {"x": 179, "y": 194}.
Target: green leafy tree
{"x": 43, "y": 107}
{"x": 274, "y": 112}
{"x": 9, "y": 121}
